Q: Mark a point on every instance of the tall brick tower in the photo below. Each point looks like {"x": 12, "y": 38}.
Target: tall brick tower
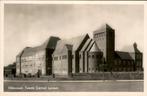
{"x": 105, "y": 39}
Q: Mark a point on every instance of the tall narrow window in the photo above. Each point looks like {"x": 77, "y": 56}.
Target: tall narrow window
{"x": 80, "y": 56}
{"x": 64, "y": 56}
{"x": 92, "y": 56}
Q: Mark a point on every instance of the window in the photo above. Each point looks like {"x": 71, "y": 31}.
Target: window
{"x": 92, "y": 56}
{"x": 80, "y": 56}
{"x": 55, "y": 58}
{"x": 64, "y": 56}
{"x": 72, "y": 56}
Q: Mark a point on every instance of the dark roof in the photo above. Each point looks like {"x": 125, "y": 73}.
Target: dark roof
{"x": 10, "y": 66}
{"x": 86, "y": 45}
{"x": 90, "y": 45}
{"x": 49, "y": 43}
{"x": 124, "y": 55}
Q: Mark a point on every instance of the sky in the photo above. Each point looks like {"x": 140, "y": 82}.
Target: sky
{"x": 30, "y": 25}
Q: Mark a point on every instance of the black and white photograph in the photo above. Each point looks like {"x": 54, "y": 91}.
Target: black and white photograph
{"x": 73, "y": 48}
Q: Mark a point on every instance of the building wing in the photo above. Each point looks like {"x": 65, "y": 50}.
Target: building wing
{"x": 50, "y": 43}
{"x": 123, "y": 55}
{"x": 75, "y": 42}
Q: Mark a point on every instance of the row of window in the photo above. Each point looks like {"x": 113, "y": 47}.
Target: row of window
{"x": 60, "y": 57}
{"x": 25, "y": 60}
{"x": 65, "y": 57}
{"x": 31, "y": 64}
{"x": 94, "y": 56}
{"x": 36, "y": 58}
{"x": 123, "y": 69}
{"x": 123, "y": 62}
{"x": 27, "y": 65}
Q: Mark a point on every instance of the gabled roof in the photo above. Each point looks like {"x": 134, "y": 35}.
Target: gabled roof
{"x": 103, "y": 28}
{"x": 123, "y": 55}
{"x": 61, "y": 45}
{"x": 86, "y": 45}
{"x": 90, "y": 45}
{"x": 75, "y": 42}
{"x": 21, "y": 52}
{"x": 49, "y": 43}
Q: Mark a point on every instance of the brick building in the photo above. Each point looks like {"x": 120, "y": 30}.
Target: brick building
{"x": 36, "y": 60}
{"x": 93, "y": 55}
{"x": 66, "y": 58}
{"x": 80, "y": 54}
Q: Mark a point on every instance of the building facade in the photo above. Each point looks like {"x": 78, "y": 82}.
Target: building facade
{"x": 82, "y": 54}
{"x": 36, "y": 60}
{"x": 123, "y": 62}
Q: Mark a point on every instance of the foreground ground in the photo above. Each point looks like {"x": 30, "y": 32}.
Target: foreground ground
{"x": 74, "y": 86}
